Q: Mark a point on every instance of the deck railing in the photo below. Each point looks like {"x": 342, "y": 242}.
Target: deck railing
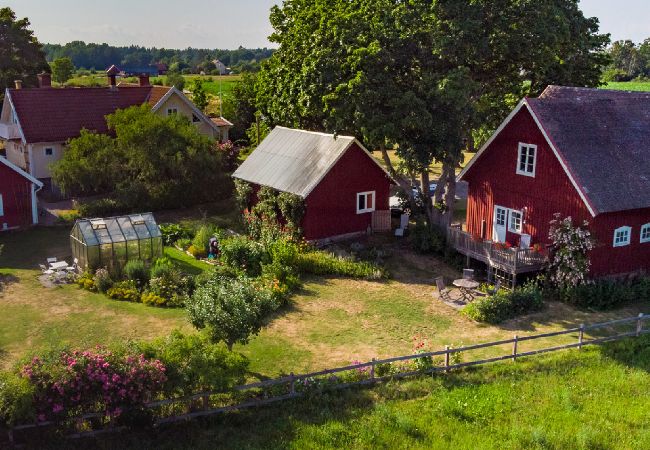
{"x": 513, "y": 260}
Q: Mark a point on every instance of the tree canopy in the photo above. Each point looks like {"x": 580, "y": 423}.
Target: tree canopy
{"x": 151, "y": 162}
{"x": 629, "y": 61}
{"x": 21, "y": 55}
{"x": 62, "y": 69}
{"x": 427, "y": 78}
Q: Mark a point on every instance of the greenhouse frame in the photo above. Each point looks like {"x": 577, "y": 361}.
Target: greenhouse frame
{"x": 113, "y": 241}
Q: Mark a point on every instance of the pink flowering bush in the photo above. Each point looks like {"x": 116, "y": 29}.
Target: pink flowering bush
{"x": 72, "y": 382}
{"x": 570, "y": 263}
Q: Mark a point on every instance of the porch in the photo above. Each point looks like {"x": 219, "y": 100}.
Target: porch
{"x": 511, "y": 261}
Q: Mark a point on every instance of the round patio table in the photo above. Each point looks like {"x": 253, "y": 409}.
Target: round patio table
{"x": 467, "y": 288}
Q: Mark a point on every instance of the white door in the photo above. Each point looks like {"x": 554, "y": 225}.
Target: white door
{"x": 499, "y": 224}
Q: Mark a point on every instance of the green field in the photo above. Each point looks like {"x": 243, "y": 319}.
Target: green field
{"x": 629, "y": 86}
{"x": 594, "y": 399}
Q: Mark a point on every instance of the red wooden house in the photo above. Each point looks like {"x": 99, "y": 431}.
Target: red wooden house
{"x": 580, "y": 152}
{"x": 18, "y": 203}
{"x": 345, "y": 189}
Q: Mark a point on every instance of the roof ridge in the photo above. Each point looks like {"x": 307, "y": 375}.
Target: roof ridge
{"x": 319, "y": 133}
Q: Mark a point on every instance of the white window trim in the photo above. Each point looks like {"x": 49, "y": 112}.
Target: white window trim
{"x": 509, "y": 221}
{"x": 2, "y": 206}
{"x": 645, "y": 227}
{"x": 172, "y": 110}
{"x": 366, "y": 209}
{"x": 629, "y": 236}
{"x": 523, "y": 145}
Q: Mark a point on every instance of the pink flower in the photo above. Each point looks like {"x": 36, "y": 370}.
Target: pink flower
{"x": 57, "y": 408}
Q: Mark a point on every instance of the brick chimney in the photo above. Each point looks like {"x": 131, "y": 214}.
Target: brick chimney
{"x": 19, "y": 84}
{"x": 44, "y": 80}
{"x": 112, "y": 73}
{"x": 144, "y": 79}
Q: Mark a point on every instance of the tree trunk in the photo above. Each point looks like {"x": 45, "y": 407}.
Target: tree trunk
{"x": 402, "y": 181}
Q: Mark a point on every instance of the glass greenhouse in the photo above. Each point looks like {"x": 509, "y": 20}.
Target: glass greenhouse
{"x": 112, "y": 241}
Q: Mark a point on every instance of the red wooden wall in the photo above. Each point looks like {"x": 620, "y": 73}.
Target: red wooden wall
{"x": 331, "y": 208}
{"x": 493, "y": 181}
{"x": 16, "y": 193}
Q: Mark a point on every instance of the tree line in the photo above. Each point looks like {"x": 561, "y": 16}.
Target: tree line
{"x": 629, "y": 61}
{"x": 100, "y": 56}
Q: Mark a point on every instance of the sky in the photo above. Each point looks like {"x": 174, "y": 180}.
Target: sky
{"x": 227, "y": 24}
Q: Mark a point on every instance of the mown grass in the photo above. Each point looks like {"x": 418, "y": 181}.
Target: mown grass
{"x": 593, "y": 399}
{"x": 629, "y": 86}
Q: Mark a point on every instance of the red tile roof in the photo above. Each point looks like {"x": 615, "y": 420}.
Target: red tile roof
{"x": 220, "y": 122}
{"x": 56, "y": 115}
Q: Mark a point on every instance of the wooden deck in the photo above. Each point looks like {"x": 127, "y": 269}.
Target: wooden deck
{"x": 511, "y": 260}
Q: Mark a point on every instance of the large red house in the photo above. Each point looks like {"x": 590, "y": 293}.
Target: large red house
{"x": 580, "y": 152}
{"x": 345, "y": 189}
{"x": 18, "y": 203}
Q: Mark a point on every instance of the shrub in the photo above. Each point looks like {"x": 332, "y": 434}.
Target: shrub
{"x": 172, "y": 232}
{"x": 162, "y": 268}
{"x": 151, "y": 299}
{"x": 183, "y": 243}
{"x": 428, "y": 239}
{"x": 126, "y": 291}
{"x": 82, "y": 382}
{"x": 102, "y": 280}
{"x": 231, "y": 309}
{"x": 136, "y": 270}
{"x": 172, "y": 286}
{"x": 323, "y": 263}
{"x": 202, "y": 237}
{"x": 240, "y": 252}
{"x": 101, "y": 208}
{"x": 606, "y": 294}
{"x": 87, "y": 281}
{"x": 505, "y": 305}
{"x": 194, "y": 364}
{"x": 196, "y": 251}
{"x": 16, "y": 399}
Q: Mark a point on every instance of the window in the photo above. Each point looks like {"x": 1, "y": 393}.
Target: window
{"x": 2, "y": 207}
{"x": 516, "y": 221}
{"x": 501, "y": 216}
{"x": 526, "y": 159}
{"x": 49, "y": 151}
{"x": 171, "y": 111}
{"x": 645, "y": 233}
{"x": 622, "y": 236}
{"x": 14, "y": 118}
{"x": 195, "y": 118}
{"x": 365, "y": 202}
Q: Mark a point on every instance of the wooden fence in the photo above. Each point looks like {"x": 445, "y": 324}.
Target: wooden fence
{"x": 293, "y": 386}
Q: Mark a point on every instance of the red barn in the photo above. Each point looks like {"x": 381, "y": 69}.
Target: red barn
{"x": 18, "y": 203}
{"x": 580, "y": 152}
{"x": 345, "y": 189}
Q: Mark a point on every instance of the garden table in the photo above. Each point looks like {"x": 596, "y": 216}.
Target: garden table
{"x": 466, "y": 288}
{"x": 58, "y": 265}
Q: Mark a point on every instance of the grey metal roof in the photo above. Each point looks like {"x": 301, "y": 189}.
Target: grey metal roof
{"x": 603, "y": 136}
{"x": 292, "y": 160}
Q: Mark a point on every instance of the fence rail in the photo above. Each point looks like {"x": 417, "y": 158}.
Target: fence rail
{"x": 292, "y": 381}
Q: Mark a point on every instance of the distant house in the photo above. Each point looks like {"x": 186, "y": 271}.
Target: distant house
{"x": 36, "y": 123}
{"x": 345, "y": 189}
{"x": 18, "y": 202}
{"x": 220, "y": 67}
{"x": 162, "y": 68}
{"x": 580, "y": 152}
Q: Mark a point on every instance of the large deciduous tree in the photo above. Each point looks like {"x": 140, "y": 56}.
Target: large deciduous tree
{"x": 152, "y": 162}
{"x": 62, "y": 69}
{"x": 428, "y": 78}
{"x": 21, "y": 55}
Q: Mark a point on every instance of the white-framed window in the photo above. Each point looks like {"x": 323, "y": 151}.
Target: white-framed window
{"x": 622, "y": 236}
{"x": 645, "y": 233}
{"x": 49, "y": 151}
{"x": 515, "y": 224}
{"x": 526, "y": 159}
{"x": 501, "y": 216}
{"x": 2, "y": 206}
{"x": 365, "y": 202}
{"x": 171, "y": 111}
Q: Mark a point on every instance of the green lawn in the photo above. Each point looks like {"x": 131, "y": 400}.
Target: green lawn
{"x": 629, "y": 86}
{"x": 594, "y": 399}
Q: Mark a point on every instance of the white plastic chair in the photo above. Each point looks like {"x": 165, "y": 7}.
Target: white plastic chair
{"x": 45, "y": 270}
{"x": 51, "y": 260}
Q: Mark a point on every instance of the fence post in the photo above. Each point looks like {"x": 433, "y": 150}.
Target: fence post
{"x": 292, "y": 384}
{"x": 639, "y": 324}
{"x": 446, "y": 358}
{"x": 581, "y": 335}
{"x": 10, "y": 434}
{"x": 514, "y": 348}
{"x": 206, "y": 402}
{"x": 372, "y": 369}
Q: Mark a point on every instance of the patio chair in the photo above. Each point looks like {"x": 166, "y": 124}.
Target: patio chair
{"x": 444, "y": 291}
{"x": 74, "y": 267}
{"x": 51, "y": 260}
{"x": 45, "y": 270}
{"x": 468, "y": 274}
